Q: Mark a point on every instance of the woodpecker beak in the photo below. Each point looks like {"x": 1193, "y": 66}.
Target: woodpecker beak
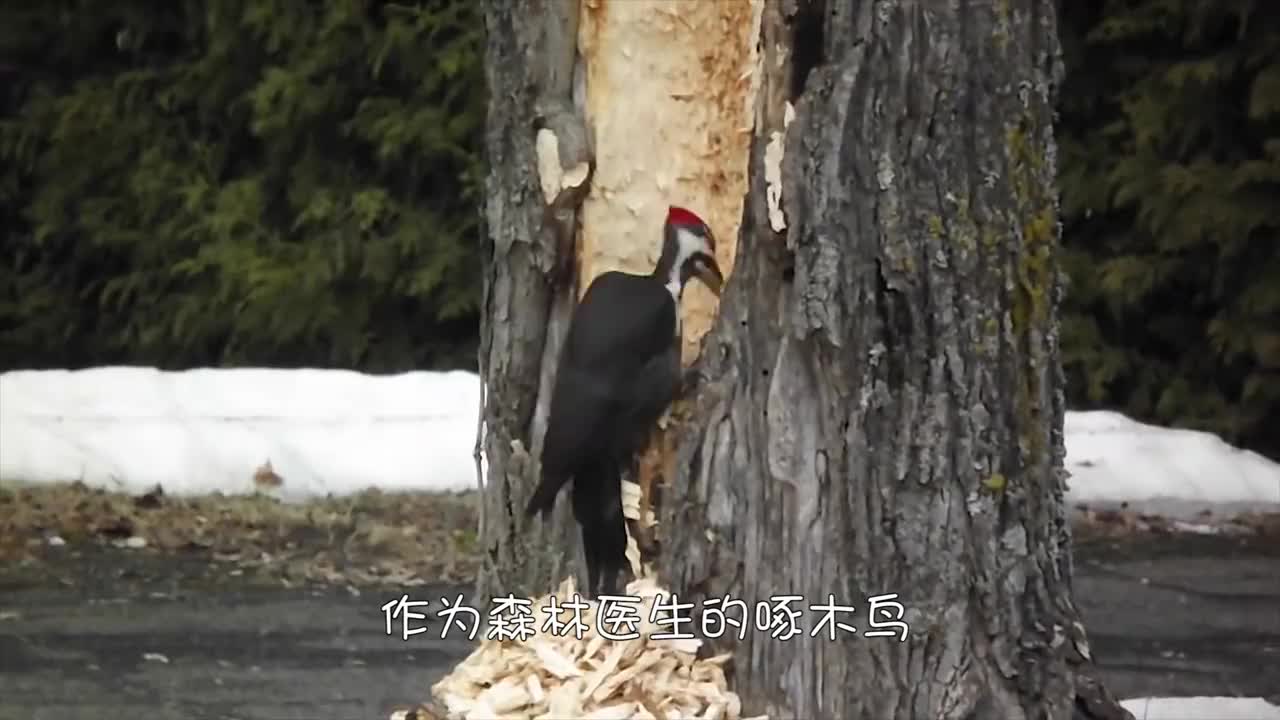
{"x": 710, "y": 276}
{"x": 709, "y": 273}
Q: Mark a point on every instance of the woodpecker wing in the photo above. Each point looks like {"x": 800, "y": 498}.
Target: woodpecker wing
{"x": 623, "y": 323}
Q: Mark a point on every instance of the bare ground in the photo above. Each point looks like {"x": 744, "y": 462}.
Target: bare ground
{"x": 247, "y": 608}
{"x": 372, "y": 538}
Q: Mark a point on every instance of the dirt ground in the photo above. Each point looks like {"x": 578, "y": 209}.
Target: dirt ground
{"x": 245, "y": 608}
{"x": 373, "y": 538}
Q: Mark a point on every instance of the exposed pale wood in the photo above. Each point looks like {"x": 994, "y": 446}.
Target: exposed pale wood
{"x": 669, "y": 95}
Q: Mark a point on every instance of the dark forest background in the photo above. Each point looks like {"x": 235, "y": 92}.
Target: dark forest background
{"x": 292, "y": 183}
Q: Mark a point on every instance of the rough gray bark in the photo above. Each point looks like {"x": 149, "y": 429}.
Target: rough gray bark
{"x": 882, "y": 403}
{"x": 530, "y": 62}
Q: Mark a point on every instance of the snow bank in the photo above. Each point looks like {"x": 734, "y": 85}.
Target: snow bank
{"x": 199, "y": 431}
{"x": 1202, "y": 708}
{"x": 334, "y": 431}
{"x": 1172, "y": 472}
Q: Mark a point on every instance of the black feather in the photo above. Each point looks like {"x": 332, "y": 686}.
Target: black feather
{"x": 618, "y": 371}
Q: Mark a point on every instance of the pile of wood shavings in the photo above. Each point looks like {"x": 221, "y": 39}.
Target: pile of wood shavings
{"x": 559, "y": 675}
{"x": 553, "y": 675}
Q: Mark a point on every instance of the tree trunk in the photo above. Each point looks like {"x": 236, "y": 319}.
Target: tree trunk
{"x": 531, "y": 201}
{"x": 882, "y": 408}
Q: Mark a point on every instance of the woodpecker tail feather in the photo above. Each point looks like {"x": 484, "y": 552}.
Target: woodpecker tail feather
{"x": 597, "y": 506}
{"x": 604, "y": 546}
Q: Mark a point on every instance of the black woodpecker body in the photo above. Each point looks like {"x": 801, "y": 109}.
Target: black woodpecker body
{"x": 619, "y": 370}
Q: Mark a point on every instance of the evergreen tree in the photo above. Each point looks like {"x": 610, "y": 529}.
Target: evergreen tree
{"x": 294, "y": 183}
{"x": 250, "y": 181}
{"x": 1171, "y": 169}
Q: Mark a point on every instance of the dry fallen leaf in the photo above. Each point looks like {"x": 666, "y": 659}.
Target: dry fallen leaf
{"x": 265, "y": 476}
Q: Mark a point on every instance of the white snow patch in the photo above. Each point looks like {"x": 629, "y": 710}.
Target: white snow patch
{"x": 1202, "y": 708}
{"x": 337, "y": 432}
{"x": 1164, "y": 471}
{"x": 202, "y": 431}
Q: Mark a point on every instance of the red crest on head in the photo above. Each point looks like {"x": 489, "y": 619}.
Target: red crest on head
{"x": 680, "y": 216}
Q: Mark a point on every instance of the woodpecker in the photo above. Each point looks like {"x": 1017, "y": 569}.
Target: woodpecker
{"x": 618, "y": 371}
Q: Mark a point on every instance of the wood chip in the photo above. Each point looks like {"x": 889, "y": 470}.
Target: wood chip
{"x": 554, "y": 676}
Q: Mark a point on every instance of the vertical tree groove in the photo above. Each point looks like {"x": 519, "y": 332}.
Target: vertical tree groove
{"x": 881, "y": 402}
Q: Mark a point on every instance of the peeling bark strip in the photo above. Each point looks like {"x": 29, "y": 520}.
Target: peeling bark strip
{"x": 883, "y": 406}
